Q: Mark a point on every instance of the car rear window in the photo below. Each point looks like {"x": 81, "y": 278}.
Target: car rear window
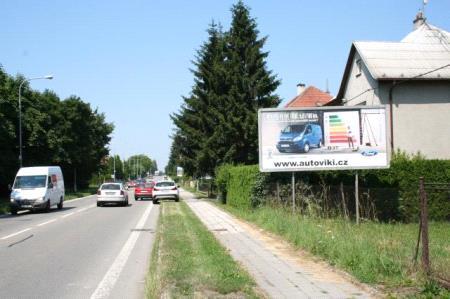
{"x": 165, "y": 184}
{"x": 111, "y": 187}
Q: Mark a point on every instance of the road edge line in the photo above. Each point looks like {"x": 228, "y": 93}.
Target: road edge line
{"x": 15, "y": 234}
{"x": 109, "y": 280}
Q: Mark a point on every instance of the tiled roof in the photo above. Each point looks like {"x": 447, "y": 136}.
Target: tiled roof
{"x": 310, "y": 97}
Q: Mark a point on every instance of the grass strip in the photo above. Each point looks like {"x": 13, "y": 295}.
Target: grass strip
{"x": 80, "y": 193}
{"x": 374, "y": 253}
{"x": 187, "y": 261}
{"x": 4, "y": 206}
{"x": 198, "y": 194}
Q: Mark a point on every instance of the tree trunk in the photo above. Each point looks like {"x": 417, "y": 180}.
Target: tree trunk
{"x": 75, "y": 179}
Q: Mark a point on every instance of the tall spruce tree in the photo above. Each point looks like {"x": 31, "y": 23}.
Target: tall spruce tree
{"x": 200, "y": 112}
{"x": 252, "y": 86}
{"x": 217, "y": 123}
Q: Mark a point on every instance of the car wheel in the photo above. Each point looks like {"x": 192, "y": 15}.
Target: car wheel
{"x": 177, "y": 199}
{"x": 306, "y": 148}
{"x": 99, "y": 204}
{"x": 13, "y": 211}
{"x": 155, "y": 201}
{"x": 60, "y": 204}
{"x": 126, "y": 203}
{"x": 47, "y": 207}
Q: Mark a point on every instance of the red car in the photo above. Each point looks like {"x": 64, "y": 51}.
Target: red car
{"x": 131, "y": 184}
{"x": 144, "y": 191}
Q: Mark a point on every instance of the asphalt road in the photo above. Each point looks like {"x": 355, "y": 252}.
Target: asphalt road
{"x": 81, "y": 251}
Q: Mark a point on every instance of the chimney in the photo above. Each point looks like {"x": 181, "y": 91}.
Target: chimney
{"x": 420, "y": 20}
{"x": 300, "y": 88}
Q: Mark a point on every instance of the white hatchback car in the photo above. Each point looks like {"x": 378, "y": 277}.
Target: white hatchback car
{"x": 112, "y": 193}
{"x": 165, "y": 189}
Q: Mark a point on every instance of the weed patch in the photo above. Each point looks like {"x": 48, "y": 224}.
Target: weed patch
{"x": 374, "y": 253}
{"x": 187, "y": 261}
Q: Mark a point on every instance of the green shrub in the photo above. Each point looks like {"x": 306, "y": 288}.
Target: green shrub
{"x": 393, "y": 191}
{"x": 221, "y": 181}
{"x": 240, "y": 185}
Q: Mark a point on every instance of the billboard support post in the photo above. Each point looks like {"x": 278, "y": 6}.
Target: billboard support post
{"x": 293, "y": 192}
{"x": 357, "y": 197}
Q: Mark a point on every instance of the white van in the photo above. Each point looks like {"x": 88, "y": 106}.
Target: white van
{"x": 37, "y": 188}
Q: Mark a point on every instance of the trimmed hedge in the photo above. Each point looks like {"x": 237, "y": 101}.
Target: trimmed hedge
{"x": 240, "y": 185}
{"x": 221, "y": 180}
{"x": 394, "y": 191}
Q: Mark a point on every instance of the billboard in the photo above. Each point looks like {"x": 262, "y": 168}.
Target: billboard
{"x": 180, "y": 171}
{"x": 322, "y": 138}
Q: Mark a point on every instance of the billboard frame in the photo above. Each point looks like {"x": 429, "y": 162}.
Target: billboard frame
{"x": 322, "y": 108}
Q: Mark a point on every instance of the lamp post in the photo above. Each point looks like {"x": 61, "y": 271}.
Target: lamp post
{"x": 49, "y": 77}
{"x": 114, "y": 167}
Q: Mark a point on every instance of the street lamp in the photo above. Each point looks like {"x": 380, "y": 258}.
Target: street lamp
{"x": 114, "y": 168}
{"x": 49, "y": 77}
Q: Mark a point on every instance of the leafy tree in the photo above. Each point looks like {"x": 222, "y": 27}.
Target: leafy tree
{"x": 8, "y": 132}
{"x": 137, "y": 166}
{"x": 83, "y": 135}
{"x": 67, "y": 133}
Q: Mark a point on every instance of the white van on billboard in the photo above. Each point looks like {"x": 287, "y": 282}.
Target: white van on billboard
{"x": 322, "y": 138}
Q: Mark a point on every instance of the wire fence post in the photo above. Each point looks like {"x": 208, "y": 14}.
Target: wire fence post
{"x": 424, "y": 226}
{"x": 357, "y": 197}
{"x": 293, "y": 192}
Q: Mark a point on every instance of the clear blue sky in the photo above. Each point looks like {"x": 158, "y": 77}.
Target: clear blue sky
{"x": 131, "y": 59}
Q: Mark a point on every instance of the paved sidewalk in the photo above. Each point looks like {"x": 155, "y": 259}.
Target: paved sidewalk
{"x": 278, "y": 276}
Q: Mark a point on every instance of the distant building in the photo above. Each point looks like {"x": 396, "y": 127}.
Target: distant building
{"x": 411, "y": 77}
{"x": 309, "y": 97}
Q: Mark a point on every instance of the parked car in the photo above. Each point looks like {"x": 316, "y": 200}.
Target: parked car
{"x": 112, "y": 193}
{"x": 300, "y": 138}
{"x": 144, "y": 191}
{"x": 37, "y": 188}
{"x": 165, "y": 189}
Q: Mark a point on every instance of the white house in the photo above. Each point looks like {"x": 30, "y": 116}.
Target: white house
{"x": 411, "y": 77}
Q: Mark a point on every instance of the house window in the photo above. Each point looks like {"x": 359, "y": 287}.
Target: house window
{"x": 358, "y": 66}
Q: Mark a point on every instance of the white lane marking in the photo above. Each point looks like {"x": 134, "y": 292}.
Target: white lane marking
{"x": 106, "y": 285}
{"x": 67, "y": 215}
{"x": 46, "y": 222}
{"x": 85, "y": 208}
{"x": 15, "y": 234}
{"x": 75, "y": 199}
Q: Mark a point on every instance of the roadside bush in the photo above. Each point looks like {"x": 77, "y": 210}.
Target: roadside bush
{"x": 221, "y": 181}
{"x": 240, "y": 185}
{"x": 406, "y": 170}
{"x": 385, "y": 194}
